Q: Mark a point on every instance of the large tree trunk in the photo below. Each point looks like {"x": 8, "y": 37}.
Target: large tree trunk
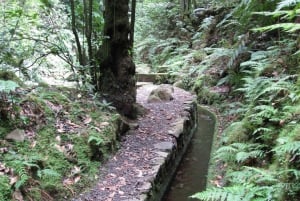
{"x": 117, "y": 80}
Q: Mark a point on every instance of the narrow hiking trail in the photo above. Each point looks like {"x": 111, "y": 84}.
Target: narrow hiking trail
{"x": 128, "y": 174}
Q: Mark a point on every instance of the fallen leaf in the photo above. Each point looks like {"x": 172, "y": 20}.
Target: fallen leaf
{"x": 13, "y": 180}
{"x": 68, "y": 182}
{"x": 72, "y": 124}
{"x": 33, "y": 144}
{"x": 76, "y": 170}
{"x": 112, "y": 175}
{"x": 140, "y": 174}
{"x": 58, "y": 138}
{"x": 103, "y": 124}
{"x": 76, "y": 179}
{"x": 122, "y": 181}
{"x": 59, "y": 148}
{"x": 97, "y": 129}
{"x": 112, "y": 194}
{"x": 69, "y": 147}
{"x": 87, "y": 120}
{"x": 3, "y": 150}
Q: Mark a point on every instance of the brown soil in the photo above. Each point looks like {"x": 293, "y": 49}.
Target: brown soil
{"x": 125, "y": 176}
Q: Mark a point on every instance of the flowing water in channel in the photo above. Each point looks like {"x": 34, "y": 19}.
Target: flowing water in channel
{"x": 191, "y": 175}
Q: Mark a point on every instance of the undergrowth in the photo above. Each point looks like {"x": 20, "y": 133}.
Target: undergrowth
{"x": 66, "y": 135}
{"x": 246, "y": 64}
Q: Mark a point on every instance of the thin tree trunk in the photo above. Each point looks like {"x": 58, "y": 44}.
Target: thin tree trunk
{"x": 80, "y": 52}
{"x": 88, "y": 33}
{"x": 195, "y": 4}
{"x": 74, "y": 30}
{"x": 132, "y": 22}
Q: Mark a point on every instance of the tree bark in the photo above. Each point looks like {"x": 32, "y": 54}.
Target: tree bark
{"x": 117, "y": 80}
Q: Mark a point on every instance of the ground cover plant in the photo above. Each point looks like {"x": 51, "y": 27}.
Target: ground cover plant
{"x": 52, "y": 141}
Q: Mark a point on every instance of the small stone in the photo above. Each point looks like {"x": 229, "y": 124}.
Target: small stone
{"x": 143, "y": 197}
{"x": 145, "y": 187}
{"x": 155, "y": 169}
{"x": 133, "y": 126}
{"x": 163, "y": 154}
{"x": 165, "y": 146}
{"x": 159, "y": 161}
{"x": 188, "y": 102}
{"x": 16, "y": 135}
{"x": 177, "y": 129}
{"x": 161, "y": 93}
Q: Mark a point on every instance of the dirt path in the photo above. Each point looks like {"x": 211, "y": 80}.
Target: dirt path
{"x": 128, "y": 174}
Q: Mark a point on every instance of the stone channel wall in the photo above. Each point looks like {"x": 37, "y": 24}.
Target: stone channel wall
{"x": 171, "y": 156}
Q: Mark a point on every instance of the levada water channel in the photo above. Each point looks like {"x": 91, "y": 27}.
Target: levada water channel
{"x": 191, "y": 176}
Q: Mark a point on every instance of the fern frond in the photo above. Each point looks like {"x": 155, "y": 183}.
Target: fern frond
{"x": 226, "y": 153}
{"x": 262, "y": 176}
{"x": 8, "y": 85}
{"x": 287, "y": 27}
{"x": 239, "y": 152}
{"x": 23, "y": 176}
{"x": 243, "y": 156}
{"x": 265, "y": 111}
{"x": 47, "y": 173}
{"x": 294, "y": 172}
{"x": 262, "y": 129}
{"x": 291, "y": 147}
{"x": 234, "y": 193}
{"x": 287, "y": 3}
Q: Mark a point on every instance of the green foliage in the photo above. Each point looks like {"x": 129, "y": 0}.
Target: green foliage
{"x": 95, "y": 139}
{"x": 47, "y": 173}
{"x": 286, "y": 3}
{"x": 261, "y": 149}
{"x": 292, "y": 147}
{"x": 283, "y": 14}
{"x": 236, "y": 132}
{"x": 5, "y": 188}
{"x": 42, "y": 163}
{"x": 235, "y": 193}
{"x": 8, "y": 86}
{"x": 288, "y": 27}
{"x": 21, "y": 165}
{"x": 239, "y": 152}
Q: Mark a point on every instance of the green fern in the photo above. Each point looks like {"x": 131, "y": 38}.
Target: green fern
{"x": 21, "y": 166}
{"x": 47, "y": 173}
{"x": 287, "y": 3}
{"x": 287, "y": 147}
{"x": 243, "y": 156}
{"x": 5, "y": 189}
{"x": 95, "y": 139}
{"x": 235, "y": 193}
{"x": 8, "y": 86}
{"x": 245, "y": 192}
{"x": 239, "y": 152}
{"x": 289, "y": 14}
{"x": 21, "y": 171}
{"x": 288, "y": 27}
